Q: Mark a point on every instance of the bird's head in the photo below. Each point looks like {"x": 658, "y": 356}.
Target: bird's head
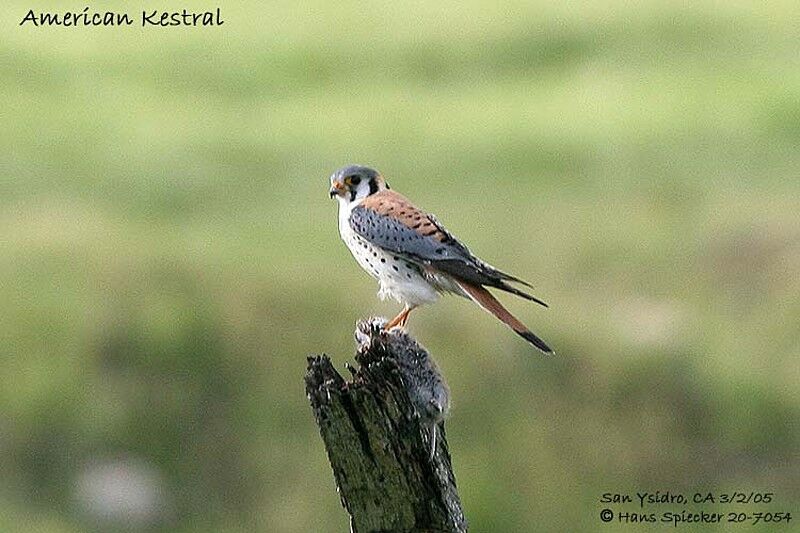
{"x": 355, "y": 182}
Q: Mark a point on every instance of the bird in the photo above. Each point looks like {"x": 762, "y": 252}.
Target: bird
{"x": 411, "y": 254}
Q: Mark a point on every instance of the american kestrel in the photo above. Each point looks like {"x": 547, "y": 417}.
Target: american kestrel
{"x": 413, "y": 257}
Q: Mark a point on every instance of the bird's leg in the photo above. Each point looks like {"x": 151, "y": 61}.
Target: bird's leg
{"x": 406, "y": 313}
{"x": 400, "y": 320}
{"x": 393, "y": 322}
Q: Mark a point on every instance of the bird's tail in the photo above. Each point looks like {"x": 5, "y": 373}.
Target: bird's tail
{"x": 485, "y": 299}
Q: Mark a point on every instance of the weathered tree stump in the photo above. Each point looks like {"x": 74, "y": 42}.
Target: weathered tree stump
{"x": 392, "y": 468}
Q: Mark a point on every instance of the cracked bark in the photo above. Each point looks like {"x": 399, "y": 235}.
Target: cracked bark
{"x": 377, "y": 440}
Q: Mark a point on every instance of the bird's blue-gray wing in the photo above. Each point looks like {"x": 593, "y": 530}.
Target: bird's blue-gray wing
{"x": 426, "y": 243}
{"x": 393, "y": 235}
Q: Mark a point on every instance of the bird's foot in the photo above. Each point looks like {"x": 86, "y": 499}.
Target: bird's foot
{"x": 400, "y": 320}
{"x": 393, "y": 323}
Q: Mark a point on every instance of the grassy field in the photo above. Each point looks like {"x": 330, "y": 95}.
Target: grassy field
{"x": 169, "y": 254}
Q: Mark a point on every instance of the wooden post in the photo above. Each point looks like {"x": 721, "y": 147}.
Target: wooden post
{"x": 377, "y": 433}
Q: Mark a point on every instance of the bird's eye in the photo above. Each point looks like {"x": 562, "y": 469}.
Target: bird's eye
{"x": 354, "y": 180}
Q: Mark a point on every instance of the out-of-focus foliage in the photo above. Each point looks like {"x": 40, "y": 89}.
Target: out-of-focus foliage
{"x": 169, "y": 255}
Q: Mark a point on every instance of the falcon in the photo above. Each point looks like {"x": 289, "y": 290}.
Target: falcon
{"x": 413, "y": 257}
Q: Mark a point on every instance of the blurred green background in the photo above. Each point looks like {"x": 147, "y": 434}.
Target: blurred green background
{"x": 169, "y": 254}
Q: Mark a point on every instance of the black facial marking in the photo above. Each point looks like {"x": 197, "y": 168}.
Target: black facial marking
{"x": 352, "y": 195}
{"x": 373, "y": 186}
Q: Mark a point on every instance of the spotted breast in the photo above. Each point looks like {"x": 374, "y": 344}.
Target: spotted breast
{"x": 399, "y": 279}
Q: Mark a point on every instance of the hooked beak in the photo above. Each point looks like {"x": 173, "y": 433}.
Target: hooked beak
{"x": 337, "y": 189}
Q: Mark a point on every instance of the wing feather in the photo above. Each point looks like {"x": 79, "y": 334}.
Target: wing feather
{"x": 389, "y": 220}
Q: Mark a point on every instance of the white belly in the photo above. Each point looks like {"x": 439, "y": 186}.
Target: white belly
{"x": 398, "y": 279}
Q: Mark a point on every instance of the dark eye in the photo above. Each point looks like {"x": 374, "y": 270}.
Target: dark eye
{"x": 355, "y": 180}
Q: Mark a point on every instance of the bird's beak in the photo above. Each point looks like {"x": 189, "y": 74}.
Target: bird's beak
{"x": 337, "y": 189}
